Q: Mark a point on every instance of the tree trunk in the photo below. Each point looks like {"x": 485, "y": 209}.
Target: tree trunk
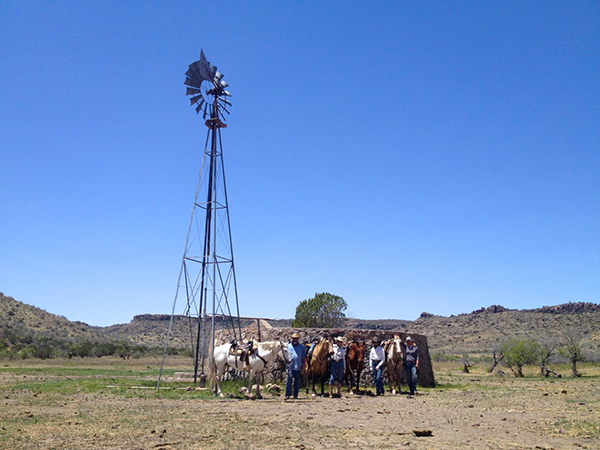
{"x": 574, "y": 367}
{"x": 496, "y": 361}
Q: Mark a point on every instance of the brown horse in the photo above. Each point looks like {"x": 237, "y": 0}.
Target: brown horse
{"x": 355, "y": 362}
{"x": 317, "y": 365}
{"x": 394, "y": 357}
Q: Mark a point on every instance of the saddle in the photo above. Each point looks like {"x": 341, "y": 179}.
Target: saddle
{"x": 243, "y": 350}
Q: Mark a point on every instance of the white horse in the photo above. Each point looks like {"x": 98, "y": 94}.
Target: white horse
{"x": 266, "y": 352}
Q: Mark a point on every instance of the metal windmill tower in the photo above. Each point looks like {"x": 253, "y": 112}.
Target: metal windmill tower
{"x": 207, "y": 267}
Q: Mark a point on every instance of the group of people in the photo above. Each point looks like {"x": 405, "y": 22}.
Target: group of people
{"x": 298, "y": 355}
{"x": 411, "y": 364}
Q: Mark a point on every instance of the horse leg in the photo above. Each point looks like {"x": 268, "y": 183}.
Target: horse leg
{"x": 249, "y": 390}
{"x": 322, "y": 378}
{"x": 258, "y": 394}
{"x": 350, "y": 379}
{"x": 219, "y": 376}
{"x": 399, "y": 377}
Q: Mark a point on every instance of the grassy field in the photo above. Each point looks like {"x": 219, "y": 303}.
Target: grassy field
{"x": 111, "y": 403}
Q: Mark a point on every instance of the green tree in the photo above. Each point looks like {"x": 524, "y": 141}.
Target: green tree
{"x": 322, "y": 311}
{"x": 518, "y": 352}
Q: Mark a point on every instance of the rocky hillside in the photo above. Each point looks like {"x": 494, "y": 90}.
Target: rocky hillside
{"x": 484, "y": 330}
{"x": 23, "y": 324}
{"x": 480, "y": 331}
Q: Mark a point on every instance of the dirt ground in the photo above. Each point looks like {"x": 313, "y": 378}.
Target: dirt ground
{"x": 477, "y": 411}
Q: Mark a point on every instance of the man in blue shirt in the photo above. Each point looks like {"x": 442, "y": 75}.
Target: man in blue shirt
{"x": 297, "y": 353}
{"x": 411, "y": 364}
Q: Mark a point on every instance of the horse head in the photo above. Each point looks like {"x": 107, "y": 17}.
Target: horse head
{"x": 283, "y": 348}
{"x": 393, "y": 349}
{"x": 360, "y": 350}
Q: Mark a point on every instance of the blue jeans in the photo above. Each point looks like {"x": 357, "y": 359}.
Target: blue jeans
{"x": 293, "y": 378}
{"x": 411, "y": 377}
{"x": 337, "y": 372}
{"x": 377, "y": 377}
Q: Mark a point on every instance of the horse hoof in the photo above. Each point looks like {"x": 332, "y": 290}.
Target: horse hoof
{"x": 221, "y": 395}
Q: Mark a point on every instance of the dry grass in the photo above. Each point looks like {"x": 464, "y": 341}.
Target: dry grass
{"x": 102, "y": 403}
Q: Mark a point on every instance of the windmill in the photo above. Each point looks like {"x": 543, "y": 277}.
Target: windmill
{"x": 207, "y": 269}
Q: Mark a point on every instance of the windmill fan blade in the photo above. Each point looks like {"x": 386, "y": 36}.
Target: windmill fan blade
{"x": 192, "y": 83}
{"x": 198, "y": 108}
{"x": 195, "y": 99}
{"x": 218, "y": 76}
{"x": 223, "y": 84}
{"x": 192, "y": 72}
{"x": 203, "y": 72}
{"x": 192, "y": 91}
{"x": 205, "y": 105}
{"x": 226, "y": 93}
{"x": 213, "y": 71}
{"x": 228, "y": 103}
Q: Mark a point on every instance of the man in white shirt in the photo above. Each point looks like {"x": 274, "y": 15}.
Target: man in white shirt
{"x": 377, "y": 358}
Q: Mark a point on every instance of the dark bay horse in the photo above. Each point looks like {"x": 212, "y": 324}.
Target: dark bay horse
{"x": 317, "y": 365}
{"x": 355, "y": 362}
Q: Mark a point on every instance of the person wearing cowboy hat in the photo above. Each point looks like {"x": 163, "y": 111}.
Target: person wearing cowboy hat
{"x": 338, "y": 365}
{"x": 411, "y": 364}
{"x": 297, "y": 353}
{"x": 377, "y": 358}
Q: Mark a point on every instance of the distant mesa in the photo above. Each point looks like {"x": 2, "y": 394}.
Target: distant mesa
{"x": 570, "y": 308}
{"x": 154, "y": 317}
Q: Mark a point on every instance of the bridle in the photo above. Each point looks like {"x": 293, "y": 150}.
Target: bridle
{"x": 281, "y": 344}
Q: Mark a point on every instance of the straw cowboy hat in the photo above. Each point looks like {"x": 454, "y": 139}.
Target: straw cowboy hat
{"x": 408, "y": 338}
{"x": 295, "y": 336}
{"x": 339, "y": 339}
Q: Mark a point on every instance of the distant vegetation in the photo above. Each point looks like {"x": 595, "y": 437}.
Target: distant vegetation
{"x": 568, "y": 333}
{"x": 29, "y": 332}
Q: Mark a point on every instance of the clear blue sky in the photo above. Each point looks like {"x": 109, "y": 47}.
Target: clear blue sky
{"x": 407, "y": 156}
